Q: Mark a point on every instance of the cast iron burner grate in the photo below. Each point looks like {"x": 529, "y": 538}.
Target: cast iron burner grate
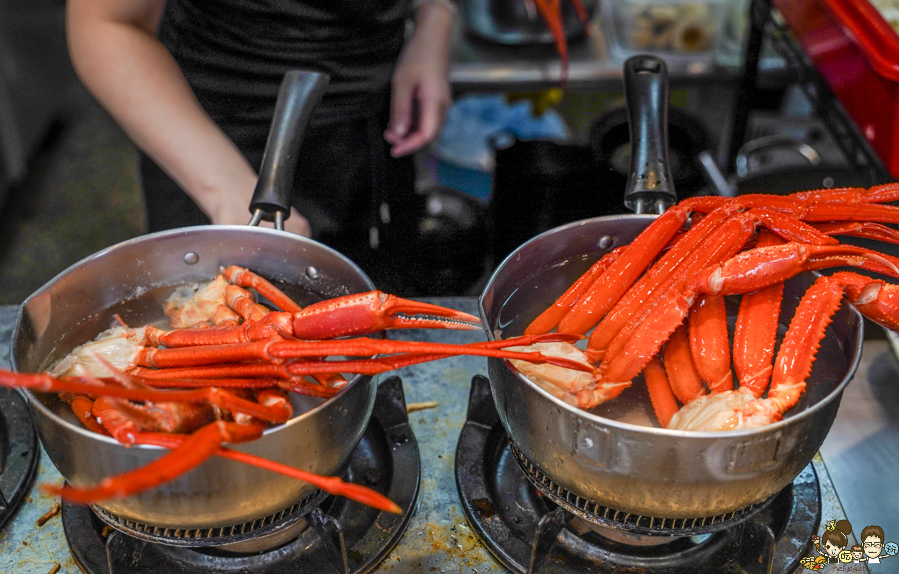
{"x": 219, "y": 536}
{"x": 527, "y": 529}
{"x": 19, "y": 451}
{"x": 335, "y": 536}
{"x": 627, "y": 522}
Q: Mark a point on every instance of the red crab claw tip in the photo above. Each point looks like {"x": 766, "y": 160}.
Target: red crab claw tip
{"x": 372, "y": 312}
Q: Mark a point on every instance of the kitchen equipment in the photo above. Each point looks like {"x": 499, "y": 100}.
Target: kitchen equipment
{"x": 527, "y": 527}
{"x": 687, "y": 138}
{"x": 517, "y": 22}
{"x": 778, "y": 178}
{"x": 612, "y": 456}
{"x": 856, "y": 52}
{"x": 681, "y": 31}
{"x": 19, "y": 452}
{"x": 336, "y": 535}
{"x": 133, "y": 278}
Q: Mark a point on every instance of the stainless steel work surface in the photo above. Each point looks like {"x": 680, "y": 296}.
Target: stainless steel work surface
{"x": 862, "y": 449}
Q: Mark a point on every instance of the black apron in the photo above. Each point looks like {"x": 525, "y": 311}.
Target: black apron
{"x": 234, "y": 54}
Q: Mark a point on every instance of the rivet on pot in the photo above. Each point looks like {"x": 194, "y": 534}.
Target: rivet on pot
{"x": 312, "y": 272}
{"x": 191, "y": 258}
{"x": 605, "y": 242}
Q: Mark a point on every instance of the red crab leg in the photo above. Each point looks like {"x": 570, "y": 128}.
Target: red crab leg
{"x": 727, "y": 240}
{"x": 764, "y": 266}
{"x": 808, "y": 211}
{"x": 728, "y": 232}
{"x": 350, "y": 315}
{"x": 685, "y": 382}
{"x": 330, "y": 484}
{"x": 372, "y": 312}
{"x": 192, "y": 452}
{"x": 279, "y": 348}
{"x": 622, "y": 273}
{"x": 551, "y": 11}
{"x": 860, "y": 229}
{"x": 755, "y": 332}
{"x": 83, "y": 406}
{"x": 875, "y": 299}
{"x": 548, "y": 319}
{"x": 130, "y": 435}
{"x": 212, "y": 395}
{"x": 165, "y": 416}
{"x": 878, "y": 194}
{"x": 748, "y": 271}
{"x": 248, "y": 279}
{"x": 709, "y": 342}
{"x": 244, "y": 304}
{"x": 658, "y": 277}
{"x": 663, "y": 402}
{"x": 224, "y": 316}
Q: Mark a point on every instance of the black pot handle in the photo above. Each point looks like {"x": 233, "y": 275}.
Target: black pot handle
{"x": 650, "y": 187}
{"x": 298, "y": 97}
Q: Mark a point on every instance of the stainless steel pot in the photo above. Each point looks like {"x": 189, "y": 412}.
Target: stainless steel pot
{"x": 614, "y": 455}
{"x": 132, "y": 279}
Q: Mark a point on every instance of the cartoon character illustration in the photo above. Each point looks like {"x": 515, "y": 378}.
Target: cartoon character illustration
{"x": 815, "y": 563}
{"x": 874, "y": 547}
{"x": 834, "y": 540}
{"x": 857, "y": 551}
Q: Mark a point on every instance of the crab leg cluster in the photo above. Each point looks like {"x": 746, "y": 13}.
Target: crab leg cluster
{"x": 657, "y": 305}
{"x": 224, "y": 373}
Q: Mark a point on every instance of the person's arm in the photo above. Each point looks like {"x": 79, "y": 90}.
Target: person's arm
{"x": 421, "y": 80}
{"x": 117, "y": 56}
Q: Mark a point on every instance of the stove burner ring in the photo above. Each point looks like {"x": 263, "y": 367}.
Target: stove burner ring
{"x": 19, "y": 452}
{"x": 619, "y": 520}
{"x": 215, "y": 536}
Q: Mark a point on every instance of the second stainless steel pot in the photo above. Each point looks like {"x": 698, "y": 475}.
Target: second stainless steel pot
{"x": 615, "y": 455}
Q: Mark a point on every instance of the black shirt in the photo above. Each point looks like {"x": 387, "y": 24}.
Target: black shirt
{"x": 235, "y": 52}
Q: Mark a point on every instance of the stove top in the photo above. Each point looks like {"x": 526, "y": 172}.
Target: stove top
{"x": 529, "y": 522}
{"x": 439, "y": 536}
{"x": 335, "y": 535}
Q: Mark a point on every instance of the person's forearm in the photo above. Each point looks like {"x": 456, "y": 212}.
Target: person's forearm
{"x": 133, "y": 76}
{"x": 433, "y": 30}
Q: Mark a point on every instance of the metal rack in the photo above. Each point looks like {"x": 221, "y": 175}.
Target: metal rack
{"x": 767, "y": 24}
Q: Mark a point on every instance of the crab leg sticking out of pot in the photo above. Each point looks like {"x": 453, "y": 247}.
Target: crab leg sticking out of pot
{"x": 635, "y": 312}
{"x": 219, "y": 385}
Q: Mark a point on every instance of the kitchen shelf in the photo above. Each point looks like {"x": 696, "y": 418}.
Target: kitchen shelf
{"x": 766, "y": 24}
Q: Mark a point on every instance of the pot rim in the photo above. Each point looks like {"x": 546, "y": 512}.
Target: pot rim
{"x": 641, "y": 429}
{"x": 277, "y": 235}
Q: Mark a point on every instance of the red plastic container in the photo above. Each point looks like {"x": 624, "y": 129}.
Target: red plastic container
{"x": 857, "y": 53}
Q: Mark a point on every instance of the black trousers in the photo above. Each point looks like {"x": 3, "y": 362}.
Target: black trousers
{"x": 347, "y": 185}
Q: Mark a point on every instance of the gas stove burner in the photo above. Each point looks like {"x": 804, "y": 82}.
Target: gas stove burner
{"x": 19, "y": 451}
{"x": 323, "y": 533}
{"x": 218, "y": 536}
{"x": 526, "y": 528}
{"x": 624, "y": 521}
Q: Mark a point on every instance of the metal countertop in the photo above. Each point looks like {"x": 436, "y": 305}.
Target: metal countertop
{"x": 861, "y": 453}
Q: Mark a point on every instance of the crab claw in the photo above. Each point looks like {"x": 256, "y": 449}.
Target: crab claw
{"x": 374, "y": 311}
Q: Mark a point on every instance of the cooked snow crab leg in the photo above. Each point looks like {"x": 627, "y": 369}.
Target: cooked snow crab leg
{"x": 179, "y": 420}
{"x": 741, "y": 408}
{"x": 186, "y": 391}
{"x": 665, "y": 280}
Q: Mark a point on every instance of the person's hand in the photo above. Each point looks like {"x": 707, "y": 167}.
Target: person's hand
{"x": 421, "y": 92}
